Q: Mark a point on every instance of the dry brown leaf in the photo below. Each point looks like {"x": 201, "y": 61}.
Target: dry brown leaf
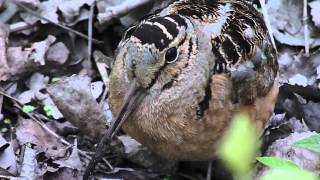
{"x": 4, "y": 68}
{"x": 315, "y": 9}
{"x": 25, "y": 60}
{"x": 58, "y": 53}
{"x": 73, "y": 98}
{"x": 39, "y": 49}
{"x": 73, "y": 161}
{"x": 47, "y": 9}
{"x": 71, "y": 9}
{"x": 18, "y": 61}
{"x": 7, "y": 157}
{"x": 29, "y": 131}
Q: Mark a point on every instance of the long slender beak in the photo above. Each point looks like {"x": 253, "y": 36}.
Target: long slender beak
{"x": 132, "y": 99}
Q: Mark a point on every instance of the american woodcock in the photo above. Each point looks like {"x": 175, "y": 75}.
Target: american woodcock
{"x": 181, "y": 74}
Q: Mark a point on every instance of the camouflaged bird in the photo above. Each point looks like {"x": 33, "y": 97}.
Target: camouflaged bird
{"x": 181, "y": 74}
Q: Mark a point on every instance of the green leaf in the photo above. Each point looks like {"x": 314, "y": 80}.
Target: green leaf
{"x": 7, "y": 121}
{"x": 28, "y": 108}
{"x": 55, "y": 79}
{"x": 166, "y": 178}
{"x": 277, "y": 163}
{"x": 48, "y": 109}
{"x": 288, "y": 174}
{"x": 3, "y": 130}
{"x": 239, "y": 146}
{"x": 312, "y": 143}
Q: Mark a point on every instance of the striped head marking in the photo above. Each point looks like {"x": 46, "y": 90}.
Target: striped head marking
{"x": 153, "y": 44}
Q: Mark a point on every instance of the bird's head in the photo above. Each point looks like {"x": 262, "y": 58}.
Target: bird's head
{"x": 145, "y": 50}
{"x": 151, "y": 46}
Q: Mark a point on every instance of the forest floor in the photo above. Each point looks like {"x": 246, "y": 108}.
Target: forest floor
{"x": 55, "y": 60}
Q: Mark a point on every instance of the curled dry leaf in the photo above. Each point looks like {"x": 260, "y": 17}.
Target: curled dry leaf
{"x": 39, "y": 49}
{"x": 26, "y": 60}
{"x": 315, "y": 9}
{"x": 58, "y": 53}
{"x": 29, "y": 131}
{"x": 73, "y": 98}
{"x": 18, "y": 61}
{"x": 47, "y": 9}
{"x": 73, "y": 161}
{"x": 37, "y": 81}
{"x": 71, "y": 9}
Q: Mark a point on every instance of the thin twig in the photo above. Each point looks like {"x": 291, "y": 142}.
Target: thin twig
{"x": 57, "y": 24}
{"x": 44, "y": 126}
{"x": 108, "y": 163}
{"x": 209, "y": 170}
{"x": 306, "y": 30}
{"x": 121, "y": 10}
{"x": 90, "y": 30}
{"x": 268, "y": 24}
{"x": 19, "y": 26}
{"x": 19, "y": 105}
{"x": 1, "y": 102}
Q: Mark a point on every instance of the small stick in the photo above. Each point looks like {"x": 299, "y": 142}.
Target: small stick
{"x": 268, "y": 24}
{"x": 57, "y": 24}
{"x": 19, "y": 105}
{"x": 90, "y": 30}
{"x": 209, "y": 170}
{"x": 19, "y": 26}
{"x": 306, "y": 30}
{"x": 122, "y": 9}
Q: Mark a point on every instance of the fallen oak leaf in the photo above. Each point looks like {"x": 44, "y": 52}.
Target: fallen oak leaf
{"x": 30, "y": 131}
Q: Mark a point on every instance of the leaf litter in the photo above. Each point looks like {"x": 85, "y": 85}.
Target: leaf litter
{"x": 48, "y": 68}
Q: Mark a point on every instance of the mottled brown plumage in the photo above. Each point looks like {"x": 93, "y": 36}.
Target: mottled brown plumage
{"x": 194, "y": 65}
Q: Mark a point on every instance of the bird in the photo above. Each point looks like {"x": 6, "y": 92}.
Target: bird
{"x": 183, "y": 72}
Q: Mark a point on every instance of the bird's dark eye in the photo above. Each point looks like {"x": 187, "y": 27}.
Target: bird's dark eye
{"x": 171, "y": 55}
